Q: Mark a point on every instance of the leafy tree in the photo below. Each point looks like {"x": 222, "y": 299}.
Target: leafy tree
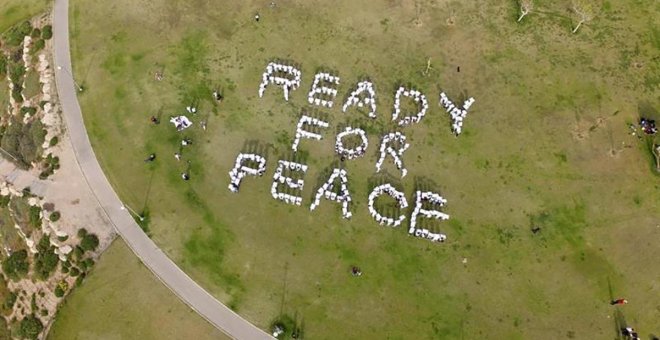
{"x": 46, "y": 260}
{"x": 16, "y": 265}
{"x": 90, "y": 242}
{"x": 35, "y": 216}
{"x": 36, "y": 33}
{"x": 82, "y": 232}
{"x": 59, "y": 292}
{"x": 30, "y": 327}
{"x": 47, "y": 32}
{"x": 38, "y": 45}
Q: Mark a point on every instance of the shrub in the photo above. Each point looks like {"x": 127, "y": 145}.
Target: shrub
{"x": 44, "y": 312}
{"x": 36, "y": 33}
{"x": 4, "y": 200}
{"x": 65, "y": 270}
{"x": 63, "y": 238}
{"x": 89, "y": 242}
{"x": 59, "y": 292}
{"x": 77, "y": 253}
{"x": 38, "y": 45}
{"x": 3, "y": 65}
{"x": 74, "y": 272}
{"x": 79, "y": 280}
{"x": 53, "y": 141}
{"x": 16, "y": 265}
{"x": 54, "y": 216}
{"x": 16, "y": 73}
{"x": 82, "y": 232}
{"x": 47, "y": 32}
{"x": 14, "y": 37}
{"x": 45, "y": 261}
{"x": 10, "y": 300}
{"x": 35, "y": 216}
{"x": 28, "y": 110}
{"x": 16, "y": 93}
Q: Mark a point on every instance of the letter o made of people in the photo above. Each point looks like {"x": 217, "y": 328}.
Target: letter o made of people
{"x": 354, "y": 152}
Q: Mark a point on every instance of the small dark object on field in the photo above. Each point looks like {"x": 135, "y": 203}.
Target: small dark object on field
{"x": 458, "y": 69}
{"x": 159, "y": 75}
{"x": 355, "y": 271}
{"x": 257, "y": 17}
{"x": 185, "y": 176}
{"x": 186, "y": 141}
{"x": 342, "y": 158}
{"x": 618, "y": 302}
{"x": 535, "y": 230}
{"x": 217, "y": 96}
{"x": 154, "y": 120}
{"x": 151, "y": 158}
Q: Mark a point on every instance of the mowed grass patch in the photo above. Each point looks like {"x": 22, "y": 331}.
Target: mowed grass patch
{"x": 536, "y": 143}
{"x": 121, "y": 299}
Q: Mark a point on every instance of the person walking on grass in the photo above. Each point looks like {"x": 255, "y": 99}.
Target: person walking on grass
{"x": 618, "y": 302}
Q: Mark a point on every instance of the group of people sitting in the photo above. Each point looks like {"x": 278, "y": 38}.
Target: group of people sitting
{"x": 648, "y": 126}
{"x": 236, "y": 176}
{"x": 181, "y": 122}
{"x": 356, "y": 152}
{"x": 418, "y": 97}
{"x": 434, "y": 199}
{"x": 305, "y": 119}
{"x": 291, "y": 183}
{"x": 397, "y": 195}
{"x": 355, "y": 97}
{"x": 457, "y": 115}
{"x": 274, "y": 75}
{"x": 327, "y": 190}
{"x": 327, "y": 92}
{"x": 386, "y": 149}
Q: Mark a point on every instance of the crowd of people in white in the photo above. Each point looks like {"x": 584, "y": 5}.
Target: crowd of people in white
{"x": 181, "y": 122}
{"x": 240, "y": 170}
{"x": 356, "y": 97}
{"x": 300, "y": 132}
{"x": 274, "y": 75}
{"x": 457, "y": 114}
{"x": 327, "y": 190}
{"x": 418, "y": 97}
{"x": 279, "y": 178}
{"x": 432, "y": 198}
{"x": 356, "y": 152}
{"x": 317, "y": 93}
{"x": 397, "y": 195}
{"x": 387, "y": 149}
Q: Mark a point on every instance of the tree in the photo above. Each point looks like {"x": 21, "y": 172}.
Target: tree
{"x": 16, "y": 265}
{"x": 89, "y": 242}
{"x": 47, "y": 32}
{"x": 584, "y": 10}
{"x": 30, "y": 327}
{"x": 526, "y": 6}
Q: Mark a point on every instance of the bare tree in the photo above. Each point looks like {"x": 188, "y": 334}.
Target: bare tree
{"x": 584, "y": 10}
{"x": 526, "y": 6}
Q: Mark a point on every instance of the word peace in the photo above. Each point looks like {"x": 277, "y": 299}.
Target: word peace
{"x": 288, "y": 179}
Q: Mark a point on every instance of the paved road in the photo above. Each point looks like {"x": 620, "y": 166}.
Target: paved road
{"x": 167, "y": 271}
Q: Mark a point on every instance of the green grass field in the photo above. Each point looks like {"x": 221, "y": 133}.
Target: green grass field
{"x": 13, "y": 11}
{"x": 121, "y": 299}
{"x": 546, "y": 144}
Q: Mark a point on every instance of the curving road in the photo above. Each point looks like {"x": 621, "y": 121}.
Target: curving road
{"x": 167, "y": 271}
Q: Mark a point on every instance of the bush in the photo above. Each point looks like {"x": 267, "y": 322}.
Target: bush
{"x": 44, "y": 312}
{"x": 90, "y": 242}
{"x": 53, "y": 141}
{"x": 47, "y": 32}
{"x": 38, "y": 45}
{"x": 54, "y": 216}
{"x": 59, "y": 292}
{"x": 77, "y": 253}
{"x": 16, "y": 93}
{"x": 16, "y": 73}
{"x": 14, "y": 37}
{"x": 35, "y": 216}
{"x": 63, "y": 238}
{"x": 30, "y": 327}
{"x": 36, "y": 33}
{"x": 10, "y": 300}
{"x": 28, "y": 110}
{"x": 16, "y": 265}
{"x": 74, "y": 272}
{"x": 45, "y": 261}
{"x": 4, "y": 200}
{"x": 3, "y": 65}
{"x": 80, "y": 279}
{"x": 65, "y": 270}
{"x": 82, "y": 232}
